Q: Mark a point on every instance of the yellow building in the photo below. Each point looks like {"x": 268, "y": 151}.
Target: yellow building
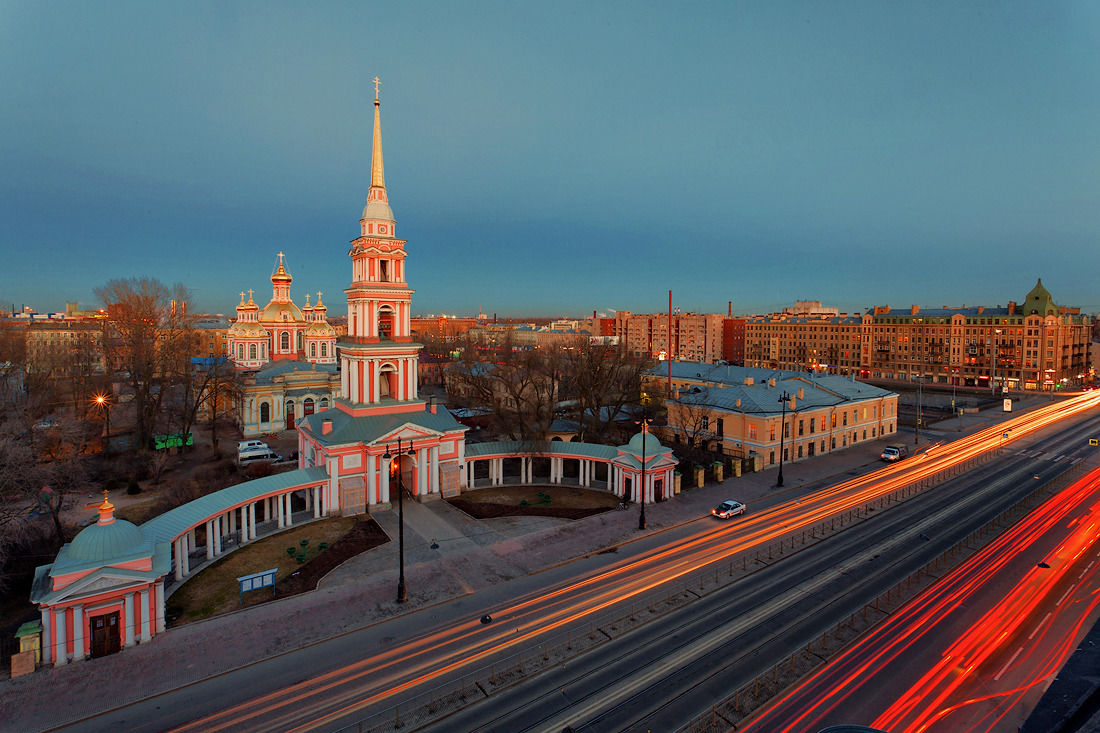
{"x": 743, "y": 411}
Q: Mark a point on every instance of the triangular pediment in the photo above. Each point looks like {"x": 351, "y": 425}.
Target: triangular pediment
{"x": 407, "y": 433}
{"x": 102, "y": 580}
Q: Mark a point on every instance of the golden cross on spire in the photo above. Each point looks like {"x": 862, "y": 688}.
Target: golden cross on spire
{"x": 377, "y": 83}
{"x": 318, "y": 296}
{"x": 249, "y": 295}
{"x": 280, "y": 258}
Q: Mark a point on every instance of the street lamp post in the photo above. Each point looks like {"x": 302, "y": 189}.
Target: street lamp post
{"x": 954, "y": 381}
{"x": 105, "y": 404}
{"x": 402, "y": 595}
{"x": 993, "y": 379}
{"x": 783, "y": 400}
{"x": 641, "y": 492}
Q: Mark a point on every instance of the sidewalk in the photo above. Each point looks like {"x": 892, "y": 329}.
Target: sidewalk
{"x": 447, "y": 554}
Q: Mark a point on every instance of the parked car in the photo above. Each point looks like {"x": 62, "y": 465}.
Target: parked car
{"x": 894, "y": 452}
{"x": 727, "y": 509}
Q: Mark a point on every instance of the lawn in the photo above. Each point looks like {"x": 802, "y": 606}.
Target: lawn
{"x": 215, "y": 590}
{"x": 547, "y": 501}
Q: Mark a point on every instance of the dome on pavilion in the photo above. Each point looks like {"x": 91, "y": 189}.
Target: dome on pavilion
{"x": 107, "y": 539}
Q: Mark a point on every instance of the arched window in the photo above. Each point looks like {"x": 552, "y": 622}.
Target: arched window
{"x": 265, "y": 412}
{"x": 240, "y": 352}
{"x": 324, "y": 349}
{"x": 284, "y": 341}
{"x": 301, "y": 344}
{"x": 313, "y": 349}
{"x": 251, "y": 351}
{"x": 324, "y": 403}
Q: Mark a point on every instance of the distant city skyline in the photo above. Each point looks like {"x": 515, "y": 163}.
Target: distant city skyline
{"x": 551, "y": 161}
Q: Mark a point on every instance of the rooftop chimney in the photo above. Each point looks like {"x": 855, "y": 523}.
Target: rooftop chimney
{"x": 914, "y": 310}
{"x": 326, "y": 426}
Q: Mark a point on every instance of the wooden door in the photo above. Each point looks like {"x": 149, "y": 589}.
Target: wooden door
{"x": 106, "y": 634}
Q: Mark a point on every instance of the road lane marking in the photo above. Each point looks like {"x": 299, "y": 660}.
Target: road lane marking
{"x": 1059, "y": 603}
{"x": 1033, "y": 633}
{"x": 1010, "y": 661}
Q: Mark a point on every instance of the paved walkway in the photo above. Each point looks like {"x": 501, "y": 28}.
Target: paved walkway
{"x": 468, "y": 555}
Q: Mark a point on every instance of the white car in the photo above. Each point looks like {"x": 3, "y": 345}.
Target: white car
{"x": 727, "y": 509}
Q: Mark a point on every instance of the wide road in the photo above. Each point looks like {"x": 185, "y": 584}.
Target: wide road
{"x": 326, "y": 684}
{"x": 659, "y": 679}
{"x": 977, "y": 650}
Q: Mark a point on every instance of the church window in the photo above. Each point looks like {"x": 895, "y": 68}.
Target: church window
{"x": 251, "y": 351}
{"x": 284, "y": 341}
{"x": 301, "y": 343}
{"x": 240, "y": 352}
{"x": 324, "y": 403}
{"x": 384, "y": 271}
{"x": 265, "y": 412}
{"x": 324, "y": 349}
{"x": 313, "y": 349}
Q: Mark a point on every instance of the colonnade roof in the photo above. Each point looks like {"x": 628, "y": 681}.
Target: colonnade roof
{"x": 175, "y": 522}
{"x": 555, "y": 448}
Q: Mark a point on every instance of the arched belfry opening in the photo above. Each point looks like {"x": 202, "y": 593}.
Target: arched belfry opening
{"x": 385, "y": 323}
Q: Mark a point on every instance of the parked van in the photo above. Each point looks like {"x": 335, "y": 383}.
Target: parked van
{"x": 256, "y": 455}
{"x": 894, "y": 452}
{"x": 244, "y": 445}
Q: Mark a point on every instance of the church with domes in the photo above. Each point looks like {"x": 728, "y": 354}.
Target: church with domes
{"x": 288, "y": 355}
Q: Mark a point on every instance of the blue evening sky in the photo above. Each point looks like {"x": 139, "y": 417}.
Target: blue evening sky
{"x": 557, "y": 158}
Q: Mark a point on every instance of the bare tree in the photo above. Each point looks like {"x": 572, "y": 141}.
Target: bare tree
{"x": 519, "y": 388}
{"x": 603, "y": 382}
{"x": 146, "y": 338}
{"x": 690, "y": 416}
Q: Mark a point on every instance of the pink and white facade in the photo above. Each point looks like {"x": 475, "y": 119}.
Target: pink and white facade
{"x": 379, "y": 407}
{"x": 103, "y": 592}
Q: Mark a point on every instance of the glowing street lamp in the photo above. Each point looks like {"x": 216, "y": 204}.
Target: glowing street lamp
{"x": 103, "y": 402}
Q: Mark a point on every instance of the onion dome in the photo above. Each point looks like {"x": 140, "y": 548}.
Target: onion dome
{"x": 307, "y": 308}
{"x": 107, "y": 539}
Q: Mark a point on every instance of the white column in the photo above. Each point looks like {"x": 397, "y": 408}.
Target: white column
{"x": 128, "y": 631}
{"x": 178, "y": 547}
{"x": 434, "y": 475}
{"x": 159, "y": 601}
{"x": 279, "y": 510}
{"x": 232, "y": 521}
{"x": 384, "y": 476}
{"x": 376, "y": 370}
{"x": 289, "y": 509}
{"x": 218, "y": 525}
{"x": 186, "y": 558}
{"x": 252, "y": 521}
{"x": 60, "y": 655}
{"x": 47, "y": 640}
{"x": 333, "y": 487}
{"x": 145, "y": 626}
{"x": 209, "y": 539}
{"x": 314, "y": 492}
{"x": 78, "y": 633}
{"x": 244, "y": 524}
{"x": 372, "y": 480}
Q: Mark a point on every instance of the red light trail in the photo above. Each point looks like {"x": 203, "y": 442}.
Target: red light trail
{"x": 934, "y": 700}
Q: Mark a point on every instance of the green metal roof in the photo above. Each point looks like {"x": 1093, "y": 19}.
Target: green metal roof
{"x": 175, "y": 522}
{"x": 348, "y": 429}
